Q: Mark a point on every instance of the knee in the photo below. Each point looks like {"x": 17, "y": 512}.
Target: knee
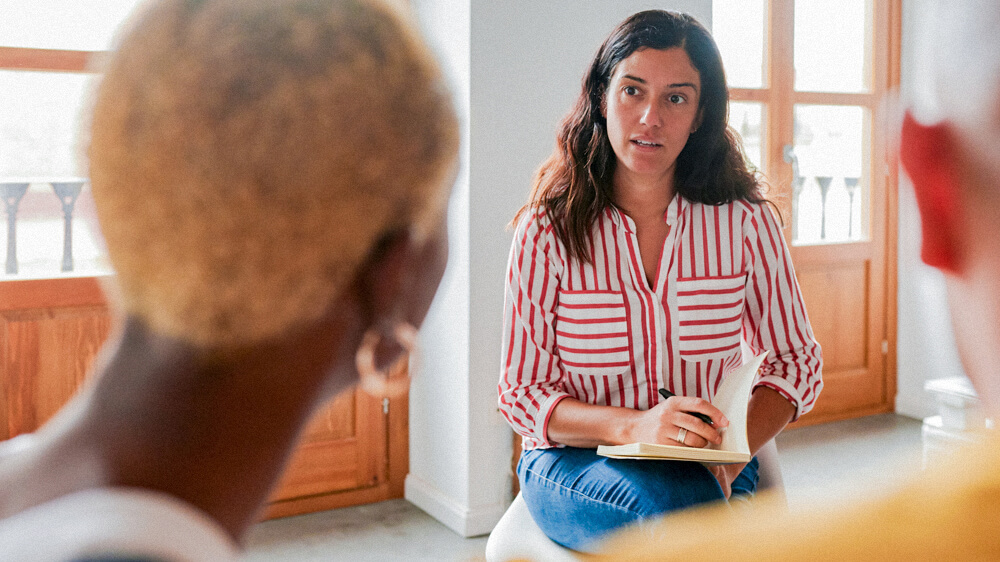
{"x": 676, "y": 487}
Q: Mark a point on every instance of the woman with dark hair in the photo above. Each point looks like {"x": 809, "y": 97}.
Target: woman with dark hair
{"x": 646, "y": 259}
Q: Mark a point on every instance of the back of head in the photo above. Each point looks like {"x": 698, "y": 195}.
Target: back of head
{"x": 246, "y": 156}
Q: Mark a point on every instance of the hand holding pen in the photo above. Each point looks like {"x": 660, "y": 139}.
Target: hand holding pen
{"x": 667, "y": 394}
{"x": 693, "y": 434}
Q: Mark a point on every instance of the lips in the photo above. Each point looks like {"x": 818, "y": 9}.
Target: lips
{"x": 645, "y": 143}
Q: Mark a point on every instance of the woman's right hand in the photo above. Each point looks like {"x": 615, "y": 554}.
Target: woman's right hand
{"x": 662, "y": 423}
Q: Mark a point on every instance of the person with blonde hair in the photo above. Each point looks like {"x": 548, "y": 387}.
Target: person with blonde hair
{"x": 950, "y": 149}
{"x": 270, "y": 177}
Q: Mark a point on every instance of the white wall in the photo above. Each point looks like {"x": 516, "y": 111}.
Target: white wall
{"x": 926, "y": 345}
{"x": 438, "y": 481}
{"x": 517, "y": 65}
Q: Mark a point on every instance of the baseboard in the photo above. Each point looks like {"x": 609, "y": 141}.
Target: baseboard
{"x": 467, "y": 522}
{"x": 918, "y": 408}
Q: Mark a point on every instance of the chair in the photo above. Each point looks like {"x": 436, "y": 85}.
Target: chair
{"x": 516, "y": 536}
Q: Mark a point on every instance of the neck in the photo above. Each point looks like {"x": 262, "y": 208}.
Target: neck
{"x": 211, "y": 428}
{"x": 642, "y": 197}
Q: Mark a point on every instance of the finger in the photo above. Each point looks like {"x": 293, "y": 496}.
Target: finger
{"x": 692, "y": 404}
{"x": 699, "y": 428}
{"x": 692, "y": 440}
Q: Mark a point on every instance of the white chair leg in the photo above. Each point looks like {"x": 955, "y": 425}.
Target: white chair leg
{"x": 769, "y": 478}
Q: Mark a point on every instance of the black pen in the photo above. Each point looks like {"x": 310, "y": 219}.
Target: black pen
{"x": 667, "y": 394}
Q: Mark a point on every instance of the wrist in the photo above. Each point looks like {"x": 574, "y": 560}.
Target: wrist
{"x": 627, "y": 431}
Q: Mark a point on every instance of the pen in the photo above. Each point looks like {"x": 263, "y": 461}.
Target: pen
{"x": 667, "y": 394}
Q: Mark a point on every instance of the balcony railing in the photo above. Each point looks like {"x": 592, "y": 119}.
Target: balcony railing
{"x": 36, "y": 210}
{"x": 825, "y": 209}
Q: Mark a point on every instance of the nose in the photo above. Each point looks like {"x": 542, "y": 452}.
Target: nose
{"x": 651, "y": 115}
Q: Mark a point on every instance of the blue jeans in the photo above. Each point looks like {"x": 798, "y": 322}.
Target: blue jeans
{"x": 577, "y": 497}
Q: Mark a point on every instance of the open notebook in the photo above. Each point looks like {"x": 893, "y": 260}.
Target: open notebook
{"x": 732, "y": 398}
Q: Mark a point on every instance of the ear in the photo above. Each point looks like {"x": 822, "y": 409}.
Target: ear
{"x": 378, "y": 290}
{"x": 381, "y": 278}
{"x": 697, "y": 121}
{"x": 926, "y": 152}
{"x": 397, "y": 283}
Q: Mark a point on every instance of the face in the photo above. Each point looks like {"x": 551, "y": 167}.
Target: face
{"x": 651, "y": 107}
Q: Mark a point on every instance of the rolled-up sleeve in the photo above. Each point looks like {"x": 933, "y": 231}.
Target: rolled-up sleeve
{"x": 530, "y": 372}
{"x": 775, "y": 317}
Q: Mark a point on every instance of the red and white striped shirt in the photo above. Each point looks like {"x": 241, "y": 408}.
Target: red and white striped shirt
{"x": 599, "y": 333}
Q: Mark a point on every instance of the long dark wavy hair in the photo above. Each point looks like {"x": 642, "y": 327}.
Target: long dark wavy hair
{"x": 574, "y": 185}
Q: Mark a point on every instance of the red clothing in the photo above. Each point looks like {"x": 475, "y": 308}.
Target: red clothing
{"x": 599, "y": 333}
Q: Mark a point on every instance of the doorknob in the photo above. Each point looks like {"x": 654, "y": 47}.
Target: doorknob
{"x": 788, "y": 155}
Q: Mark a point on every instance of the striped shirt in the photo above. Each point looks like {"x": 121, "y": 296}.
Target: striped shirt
{"x": 599, "y": 333}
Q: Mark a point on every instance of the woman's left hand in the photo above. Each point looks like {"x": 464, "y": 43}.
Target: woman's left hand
{"x": 725, "y": 474}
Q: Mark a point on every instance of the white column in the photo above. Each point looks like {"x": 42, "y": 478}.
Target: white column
{"x": 517, "y": 67}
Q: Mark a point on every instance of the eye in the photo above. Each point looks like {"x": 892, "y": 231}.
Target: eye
{"x": 677, "y": 98}
{"x": 630, "y": 90}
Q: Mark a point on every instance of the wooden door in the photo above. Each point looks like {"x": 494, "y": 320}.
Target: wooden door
{"x": 353, "y": 451}
{"x": 813, "y": 119}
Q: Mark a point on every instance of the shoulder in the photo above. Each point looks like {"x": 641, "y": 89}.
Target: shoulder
{"x": 534, "y": 228}
{"x": 757, "y": 218}
{"x": 533, "y": 220}
{"x": 738, "y": 212}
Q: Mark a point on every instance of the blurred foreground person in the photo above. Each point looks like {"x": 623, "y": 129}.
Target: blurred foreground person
{"x": 950, "y": 148}
{"x": 271, "y": 178}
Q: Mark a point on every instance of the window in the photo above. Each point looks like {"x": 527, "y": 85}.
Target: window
{"x": 807, "y": 80}
{"x": 48, "y": 51}
{"x": 807, "y": 77}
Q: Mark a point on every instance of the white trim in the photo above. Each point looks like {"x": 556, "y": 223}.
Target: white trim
{"x": 463, "y": 520}
{"x": 917, "y": 407}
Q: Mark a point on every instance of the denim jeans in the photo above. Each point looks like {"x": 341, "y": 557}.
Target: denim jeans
{"x": 577, "y": 497}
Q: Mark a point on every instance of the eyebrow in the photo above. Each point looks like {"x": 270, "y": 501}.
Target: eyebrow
{"x": 677, "y": 85}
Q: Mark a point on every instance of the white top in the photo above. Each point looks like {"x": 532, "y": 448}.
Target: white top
{"x": 114, "y": 521}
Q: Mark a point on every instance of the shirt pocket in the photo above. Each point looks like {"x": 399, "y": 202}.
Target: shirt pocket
{"x": 592, "y": 332}
{"x": 710, "y": 312}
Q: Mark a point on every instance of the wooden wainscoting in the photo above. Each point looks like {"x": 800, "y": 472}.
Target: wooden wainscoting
{"x": 354, "y": 451}
{"x": 50, "y": 332}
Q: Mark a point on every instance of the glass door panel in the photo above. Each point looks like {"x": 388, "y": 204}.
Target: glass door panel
{"x": 739, "y": 28}
{"x": 746, "y": 118}
{"x": 833, "y": 45}
{"x": 77, "y": 25}
{"x": 48, "y": 226}
{"x": 831, "y": 174}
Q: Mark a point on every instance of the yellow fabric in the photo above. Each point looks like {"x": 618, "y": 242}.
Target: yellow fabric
{"x": 951, "y": 512}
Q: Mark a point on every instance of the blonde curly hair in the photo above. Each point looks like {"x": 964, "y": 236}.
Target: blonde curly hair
{"x": 246, "y": 156}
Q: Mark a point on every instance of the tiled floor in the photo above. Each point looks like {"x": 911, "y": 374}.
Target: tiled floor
{"x": 832, "y": 462}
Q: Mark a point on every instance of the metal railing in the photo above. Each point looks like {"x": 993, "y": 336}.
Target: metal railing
{"x": 851, "y": 186}
{"x": 66, "y": 191}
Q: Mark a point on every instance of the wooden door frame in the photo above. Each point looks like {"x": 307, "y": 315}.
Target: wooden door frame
{"x": 778, "y": 92}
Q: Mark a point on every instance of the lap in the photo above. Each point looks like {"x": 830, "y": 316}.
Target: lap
{"x": 576, "y": 496}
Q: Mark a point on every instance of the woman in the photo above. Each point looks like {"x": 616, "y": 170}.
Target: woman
{"x": 276, "y": 226}
{"x": 643, "y": 259}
